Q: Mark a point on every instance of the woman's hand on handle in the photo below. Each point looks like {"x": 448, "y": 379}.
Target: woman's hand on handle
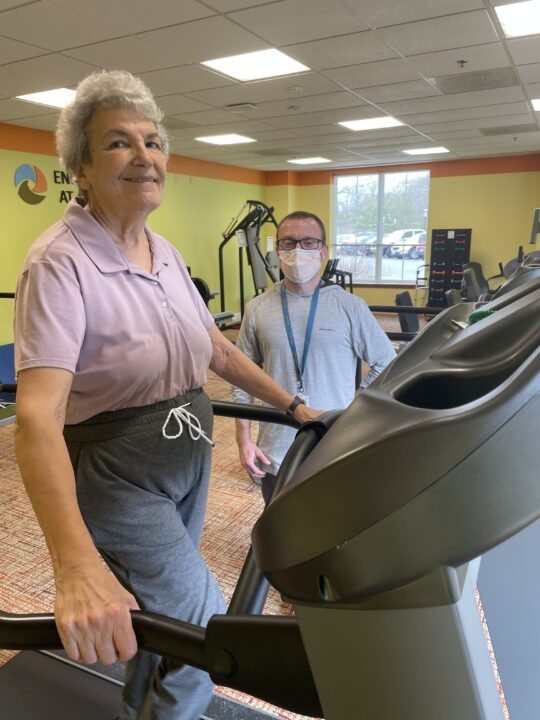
{"x": 92, "y": 613}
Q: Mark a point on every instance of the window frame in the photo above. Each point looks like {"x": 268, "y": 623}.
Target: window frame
{"x": 381, "y": 177}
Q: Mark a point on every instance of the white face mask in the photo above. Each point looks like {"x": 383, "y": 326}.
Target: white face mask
{"x": 300, "y": 266}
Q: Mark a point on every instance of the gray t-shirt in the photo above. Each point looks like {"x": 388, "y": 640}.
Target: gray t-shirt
{"x": 344, "y": 332}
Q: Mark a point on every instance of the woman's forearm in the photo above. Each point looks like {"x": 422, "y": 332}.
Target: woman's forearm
{"x": 46, "y": 468}
{"x": 48, "y": 477}
{"x": 235, "y": 367}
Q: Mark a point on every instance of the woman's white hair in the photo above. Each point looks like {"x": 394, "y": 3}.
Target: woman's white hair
{"x": 105, "y": 89}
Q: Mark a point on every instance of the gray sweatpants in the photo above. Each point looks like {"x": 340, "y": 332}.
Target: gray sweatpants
{"x": 143, "y": 498}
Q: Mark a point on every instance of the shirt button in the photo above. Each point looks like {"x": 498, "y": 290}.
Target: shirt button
{"x": 165, "y": 304}
{"x": 154, "y": 282}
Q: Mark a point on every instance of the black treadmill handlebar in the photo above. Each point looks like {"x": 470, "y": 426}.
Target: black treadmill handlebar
{"x": 225, "y": 650}
{"x": 259, "y": 413}
{"x": 253, "y": 412}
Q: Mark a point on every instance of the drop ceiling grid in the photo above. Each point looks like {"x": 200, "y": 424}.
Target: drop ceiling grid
{"x": 368, "y": 58}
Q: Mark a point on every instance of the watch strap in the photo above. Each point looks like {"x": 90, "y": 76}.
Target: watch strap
{"x": 295, "y": 403}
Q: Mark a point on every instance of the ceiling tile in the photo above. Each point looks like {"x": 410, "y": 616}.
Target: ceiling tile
{"x": 502, "y": 96}
{"x": 218, "y": 122}
{"x": 324, "y": 117}
{"x": 293, "y": 21}
{"x": 472, "y": 28}
{"x": 398, "y": 91}
{"x": 280, "y": 135}
{"x": 8, "y": 4}
{"x": 178, "y": 104}
{"x": 230, "y": 5}
{"x": 372, "y": 74}
{"x": 12, "y": 51}
{"x": 132, "y": 16}
{"x": 43, "y": 73}
{"x": 17, "y": 109}
{"x": 127, "y": 53}
{"x": 206, "y": 39}
{"x": 533, "y": 90}
{"x": 53, "y": 28}
{"x": 465, "y": 113}
{"x": 183, "y": 78}
{"x": 210, "y": 117}
{"x": 378, "y": 14}
{"x": 350, "y": 49}
{"x": 309, "y": 103}
{"x": 445, "y": 62}
{"x": 294, "y": 87}
{"x": 457, "y": 135}
{"x": 524, "y": 50}
{"x": 529, "y": 73}
{"x": 486, "y": 97}
{"x": 41, "y": 122}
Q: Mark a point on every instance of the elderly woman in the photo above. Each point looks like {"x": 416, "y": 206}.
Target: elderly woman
{"x": 113, "y": 429}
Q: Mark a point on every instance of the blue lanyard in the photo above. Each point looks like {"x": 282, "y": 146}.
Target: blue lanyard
{"x": 290, "y": 336}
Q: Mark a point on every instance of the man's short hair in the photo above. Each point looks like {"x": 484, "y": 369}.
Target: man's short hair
{"x": 303, "y": 215}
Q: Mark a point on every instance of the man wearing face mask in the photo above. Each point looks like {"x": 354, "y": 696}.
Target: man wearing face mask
{"x": 308, "y": 337}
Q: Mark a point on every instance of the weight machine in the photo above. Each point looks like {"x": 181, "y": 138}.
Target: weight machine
{"x": 247, "y": 231}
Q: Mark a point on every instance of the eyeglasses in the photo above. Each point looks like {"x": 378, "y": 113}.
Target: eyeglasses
{"x": 307, "y": 243}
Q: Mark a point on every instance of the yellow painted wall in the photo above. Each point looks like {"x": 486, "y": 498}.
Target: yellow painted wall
{"x": 498, "y": 208}
{"x": 283, "y": 198}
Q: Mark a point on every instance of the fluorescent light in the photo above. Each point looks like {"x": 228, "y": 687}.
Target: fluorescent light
{"x": 426, "y": 151}
{"x": 371, "y": 123}
{"x": 58, "y": 98}
{"x": 230, "y": 139}
{"x": 536, "y": 104}
{"x": 309, "y": 161}
{"x": 256, "y": 65}
{"x": 519, "y": 19}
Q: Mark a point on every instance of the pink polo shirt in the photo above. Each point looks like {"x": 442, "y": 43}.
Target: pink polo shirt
{"x": 130, "y": 338}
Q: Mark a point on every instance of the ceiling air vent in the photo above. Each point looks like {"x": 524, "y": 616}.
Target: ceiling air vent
{"x": 510, "y": 129}
{"x": 474, "y": 81}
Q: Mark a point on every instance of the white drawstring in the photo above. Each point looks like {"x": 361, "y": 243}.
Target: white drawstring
{"x": 184, "y": 416}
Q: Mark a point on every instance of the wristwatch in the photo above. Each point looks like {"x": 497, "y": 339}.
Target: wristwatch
{"x": 295, "y": 403}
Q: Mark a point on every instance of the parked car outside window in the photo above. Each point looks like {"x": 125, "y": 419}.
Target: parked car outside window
{"x": 405, "y": 243}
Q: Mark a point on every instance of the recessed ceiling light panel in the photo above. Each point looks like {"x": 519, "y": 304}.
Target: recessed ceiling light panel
{"x": 256, "y": 65}
{"x": 58, "y": 98}
{"x": 426, "y": 151}
{"x": 371, "y": 123}
{"x": 519, "y": 19}
{"x": 536, "y": 104}
{"x": 230, "y": 139}
{"x": 309, "y": 160}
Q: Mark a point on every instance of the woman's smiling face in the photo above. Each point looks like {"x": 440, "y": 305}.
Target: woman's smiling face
{"x": 127, "y": 167}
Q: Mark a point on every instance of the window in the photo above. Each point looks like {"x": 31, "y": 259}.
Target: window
{"x": 380, "y": 225}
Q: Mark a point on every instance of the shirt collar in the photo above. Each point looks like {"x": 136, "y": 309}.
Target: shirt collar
{"x": 101, "y": 248}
